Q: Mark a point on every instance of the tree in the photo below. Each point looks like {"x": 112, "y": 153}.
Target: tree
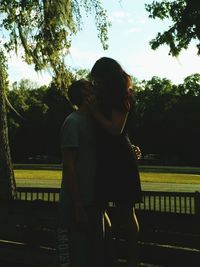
{"x": 26, "y": 129}
{"x": 185, "y": 27}
{"x": 192, "y": 84}
{"x": 7, "y": 181}
{"x": 154, "y": 101}
{"x": 44, "y": 29}
{"x": 35, "y": 128}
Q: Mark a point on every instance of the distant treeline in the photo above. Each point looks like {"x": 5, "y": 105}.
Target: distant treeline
{"x": 166, "y": 123}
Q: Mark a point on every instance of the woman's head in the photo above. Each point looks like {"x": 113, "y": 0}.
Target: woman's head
{"x": 110, "y": 79}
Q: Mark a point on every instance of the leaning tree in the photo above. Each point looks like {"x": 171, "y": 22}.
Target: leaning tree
{"x": 7, "y": 181}
{"x": 41, "y": 32}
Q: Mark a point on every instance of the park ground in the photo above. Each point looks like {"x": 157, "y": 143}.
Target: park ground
{"x": 158, "y": 178}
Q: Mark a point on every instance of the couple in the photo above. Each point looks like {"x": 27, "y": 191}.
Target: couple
{"x": 99, "y": 166}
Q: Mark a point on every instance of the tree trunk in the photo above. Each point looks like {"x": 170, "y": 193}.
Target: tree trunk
{"x": 7, "y": 179}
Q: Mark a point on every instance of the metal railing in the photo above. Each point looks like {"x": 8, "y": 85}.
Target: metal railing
{"x": 174, "y": 202}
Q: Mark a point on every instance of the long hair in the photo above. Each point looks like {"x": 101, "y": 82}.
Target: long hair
{"x": 117, "y": 84}
{"x": 113, "y": 79}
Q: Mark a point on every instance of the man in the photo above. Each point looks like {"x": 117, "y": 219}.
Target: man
{"x": 78, "y": 213}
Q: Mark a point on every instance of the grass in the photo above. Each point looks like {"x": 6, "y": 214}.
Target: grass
{"x": 177, "y": 178}
{"x": 170, "y": 169}
{"x": 50, "y": 175}
{"x": 38, "y": 174}
{"x": 38, "y": 178}
{"x": 47, "y": 176}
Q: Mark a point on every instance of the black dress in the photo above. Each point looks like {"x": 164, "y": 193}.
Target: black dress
{"x": 118, "y": 177}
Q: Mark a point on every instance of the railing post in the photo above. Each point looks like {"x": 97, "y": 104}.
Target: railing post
{"x": 197, "y": 203}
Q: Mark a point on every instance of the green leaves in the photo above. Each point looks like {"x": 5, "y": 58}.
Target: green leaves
{"x": 44, "y": 29}
{"x": 185, "y": 24}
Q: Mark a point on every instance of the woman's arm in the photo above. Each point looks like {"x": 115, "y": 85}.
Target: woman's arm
{"x": 114, "y": 126}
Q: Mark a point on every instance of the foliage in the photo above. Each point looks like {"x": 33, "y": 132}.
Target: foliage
{"x": 81, "y": 74}
{"x": 166, "y": 122}
{"x": 185, "y": 24}
{"x": 42, "y": 111}
{"x": 192, "y": 84}
{"x": 71, "y": 74}
{"x": 44, "y": 29}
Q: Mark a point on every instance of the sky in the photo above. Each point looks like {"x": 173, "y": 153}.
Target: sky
{"x": 129, "y": 38}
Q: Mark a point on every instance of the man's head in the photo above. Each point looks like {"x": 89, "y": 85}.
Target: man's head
{"x": 76, "y": 91}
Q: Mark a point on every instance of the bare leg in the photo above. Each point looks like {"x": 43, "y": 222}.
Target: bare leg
{"x": 125, "y": 225}
{"x": 110, "y": 255}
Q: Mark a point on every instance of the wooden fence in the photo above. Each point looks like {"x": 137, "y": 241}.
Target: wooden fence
{"x": 176, "y": 202}
{"x": 173, "y": 202}
{"x": 169, "y": 229}
{"x": 38, "y": 193}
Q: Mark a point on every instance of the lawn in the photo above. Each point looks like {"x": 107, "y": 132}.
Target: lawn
{"x": 50, "y": 175}
{"x": 152, "y": 178}
{"x": 177, "y": 178}
{"x": 38, "y": 178}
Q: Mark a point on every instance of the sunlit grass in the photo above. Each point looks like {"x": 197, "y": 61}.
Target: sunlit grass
{"x": 38, "y": 178}
{"x": 52, "y": 178}
{"x": 38, "y": 174}
{"x": 178, "y": 178}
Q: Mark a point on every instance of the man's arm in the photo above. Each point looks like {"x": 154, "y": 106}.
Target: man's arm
{"x": 69, "y": 157}
{"x": 69, "y": 174}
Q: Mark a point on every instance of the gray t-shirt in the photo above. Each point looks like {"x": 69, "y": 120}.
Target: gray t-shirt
{"x": 78, "y": 133}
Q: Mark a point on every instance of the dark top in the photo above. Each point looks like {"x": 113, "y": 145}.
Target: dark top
{"x": 118, "y": 178}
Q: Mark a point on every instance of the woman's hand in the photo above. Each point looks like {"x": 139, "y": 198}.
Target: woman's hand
{"x": 90, "y": 98}
{"x": 91, "y": 102}
{"x": 137, "y": 151}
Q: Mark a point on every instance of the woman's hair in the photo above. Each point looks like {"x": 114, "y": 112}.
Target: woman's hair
{"x": 115, "y": 81}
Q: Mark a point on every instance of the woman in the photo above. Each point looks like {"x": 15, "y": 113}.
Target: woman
{"x": 117, "y": 173}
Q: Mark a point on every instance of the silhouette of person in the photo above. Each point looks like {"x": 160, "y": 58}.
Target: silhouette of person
{"x": 111, "y": 104}
{"x": 78, "y": 212}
